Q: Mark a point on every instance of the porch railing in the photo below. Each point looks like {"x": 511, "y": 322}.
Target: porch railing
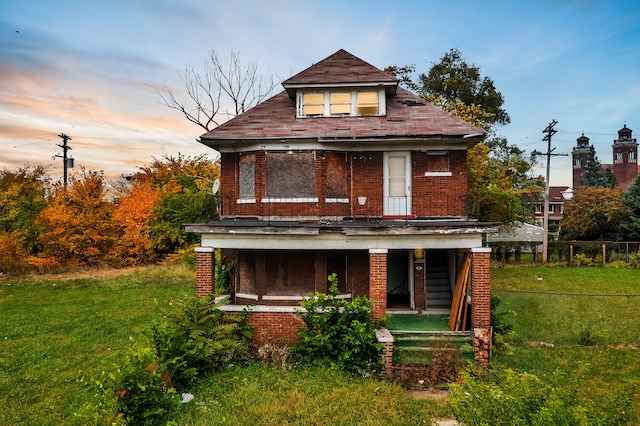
{"x": 335, "y": 209}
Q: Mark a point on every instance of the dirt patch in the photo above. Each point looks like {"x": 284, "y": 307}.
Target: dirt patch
{"x": 101, "y": 273}
{"x": 428, "y": 394}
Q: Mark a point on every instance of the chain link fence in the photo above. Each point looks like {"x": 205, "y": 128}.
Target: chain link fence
{"x": 542, "y": 318}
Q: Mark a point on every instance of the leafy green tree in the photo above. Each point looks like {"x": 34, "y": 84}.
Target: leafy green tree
{"x": 499, "y": 182}
{"x": 22, "y": 197}
{"x": 629, "y": 228}
{"x": 593, "y": 213}
{"x": 456, "y": 81}
{"x": 184, "y": 184}
{"x": 593, "y": 174}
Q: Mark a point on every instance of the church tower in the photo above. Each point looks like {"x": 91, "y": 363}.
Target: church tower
{"x": 580, "y": 154}
{"x": 625, "y": 158}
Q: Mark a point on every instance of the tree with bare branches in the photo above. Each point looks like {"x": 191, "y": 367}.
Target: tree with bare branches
{"x": 219, "y": 92}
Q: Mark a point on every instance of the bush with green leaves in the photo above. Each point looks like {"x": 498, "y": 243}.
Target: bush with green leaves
{"x": 339, "y": 333}
{"x": 223, "y": 276}
{"x": 506, "y": 397}
{"x": 198, "y": 337}
{"x": 136, "y": 392}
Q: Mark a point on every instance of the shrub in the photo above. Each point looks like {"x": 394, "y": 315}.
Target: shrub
{"x": 222, "y": 277}
{"x": 339, "y": 333}
{"x": 135, "y": 393}
{"x": 197, "y": 337}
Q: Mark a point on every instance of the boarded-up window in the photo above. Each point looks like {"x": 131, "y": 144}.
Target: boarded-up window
{"x": 291, "y": 175}
{"x": 340, "y": 103}
{"x": 367, "y": 103}
{"x": 336, "y": 175}
{"x": 247, "y": 176}
{"x": 437, "y": 161}
{"x": 313, "y": 104}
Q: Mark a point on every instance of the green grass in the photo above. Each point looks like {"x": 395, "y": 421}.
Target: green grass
{"x": 612, "y": 364}
{"x": 54, "y": 332}
{"x": 418, "y": 322}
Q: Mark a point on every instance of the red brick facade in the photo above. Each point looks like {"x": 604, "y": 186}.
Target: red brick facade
{"x": 354, "y": 175}
{"x": 278, "y": 328}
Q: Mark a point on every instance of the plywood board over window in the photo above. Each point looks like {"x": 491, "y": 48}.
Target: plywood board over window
{"x": 290, "y": 175}
{"x": 247, "y": 177}
{"x": 438, "y": 163}
{"x": 336, "y": 174}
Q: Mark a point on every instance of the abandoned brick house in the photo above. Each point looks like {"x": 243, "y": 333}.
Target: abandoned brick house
{"x": 345, "y": 172}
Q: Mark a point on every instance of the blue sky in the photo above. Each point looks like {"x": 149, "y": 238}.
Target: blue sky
{"x": 86, "y": 68}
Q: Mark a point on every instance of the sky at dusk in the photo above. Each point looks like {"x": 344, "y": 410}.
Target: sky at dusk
{"x": 88, "y": 68}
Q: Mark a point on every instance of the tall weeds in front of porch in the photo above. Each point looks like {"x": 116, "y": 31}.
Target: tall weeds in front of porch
{"x": 339, "y": 333}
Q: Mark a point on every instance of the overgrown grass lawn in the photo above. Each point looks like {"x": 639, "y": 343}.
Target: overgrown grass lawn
{"x": 54, "y": 332}
{"x": 551, "y": 330}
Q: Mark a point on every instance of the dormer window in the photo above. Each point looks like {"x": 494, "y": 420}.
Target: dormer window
{"x": 332, "y": 103}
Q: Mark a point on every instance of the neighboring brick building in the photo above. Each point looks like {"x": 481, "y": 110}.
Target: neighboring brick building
{"x": 625, "y": 158}
{"x": 345, "y": 172}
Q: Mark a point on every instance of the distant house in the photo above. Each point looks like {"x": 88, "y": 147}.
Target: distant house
{"x": 345, "y": 172}
{"x": 557, "y": 197}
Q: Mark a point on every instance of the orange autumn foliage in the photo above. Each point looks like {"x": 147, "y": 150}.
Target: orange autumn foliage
{"x": 133, "y": 216}
{"x": 77, "y": 224}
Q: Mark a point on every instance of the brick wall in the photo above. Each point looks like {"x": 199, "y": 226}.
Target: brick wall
{"x": 205, "y": 263}
{"x": 481, "y": 303}
{"x": 361, "y": 174}
{"x": 273, "y": 327}
{"x": 378, "y": 282}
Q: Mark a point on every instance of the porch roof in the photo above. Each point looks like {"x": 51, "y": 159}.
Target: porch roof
{"x": 251, "y": 233}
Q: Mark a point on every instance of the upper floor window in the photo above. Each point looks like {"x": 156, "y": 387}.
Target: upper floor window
{"x": 438, "y": 163}
{"x": 330, "y": 103}
{"x": 632, "y": 155}
{"x": 247, "y": 178}
{"x": 538, "y": 208}
{"x": 313, "y": 104}
{"x": 291, "y": 175}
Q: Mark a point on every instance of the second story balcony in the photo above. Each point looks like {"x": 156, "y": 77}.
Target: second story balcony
{"x": 314, "y": 210}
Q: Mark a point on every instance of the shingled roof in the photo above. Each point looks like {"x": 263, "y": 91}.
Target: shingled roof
{"x": 407, "y": 115}
{"x": 340, "y": 68}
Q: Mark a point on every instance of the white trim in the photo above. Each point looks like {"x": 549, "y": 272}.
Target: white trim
{"x": 289, "y": 200}
{"x": 481, "y": 250}
{"x": 401, "y": 239}
{"x": 204, "y": 249}
{"x": 378, "y": 251}
{"x": 436, "y": 174}
{"x": 247, "y": 296}
{"x": 295, "y": 298}
{"x": 337, "y": 200}
{"x": 262, "y": 308}
{"x": 246, "y": 201}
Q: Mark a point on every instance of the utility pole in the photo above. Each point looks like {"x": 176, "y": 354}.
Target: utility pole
{"x": 66, "y": 161}
{"x": 549, "y": 132}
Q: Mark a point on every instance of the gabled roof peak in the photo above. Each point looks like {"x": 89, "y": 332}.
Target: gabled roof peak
{"x": 340, "y": 69}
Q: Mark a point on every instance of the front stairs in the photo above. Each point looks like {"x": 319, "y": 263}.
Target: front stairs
{"x": 438, "y": 292}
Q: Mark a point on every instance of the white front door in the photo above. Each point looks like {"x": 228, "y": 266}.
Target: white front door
{"x": 397, "y": 183}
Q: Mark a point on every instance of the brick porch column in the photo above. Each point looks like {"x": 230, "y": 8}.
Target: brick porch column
{"x": 378, "y": 281}
{"x": 205, "y": 270}
{"x": 481, "y": 307}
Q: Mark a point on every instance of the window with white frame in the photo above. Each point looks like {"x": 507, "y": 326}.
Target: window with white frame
{"x": 538, "y": 208}
{"x": 331, "y": 103}
{"x": 632, "y": 155}
{"x": 552, "y": 208}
